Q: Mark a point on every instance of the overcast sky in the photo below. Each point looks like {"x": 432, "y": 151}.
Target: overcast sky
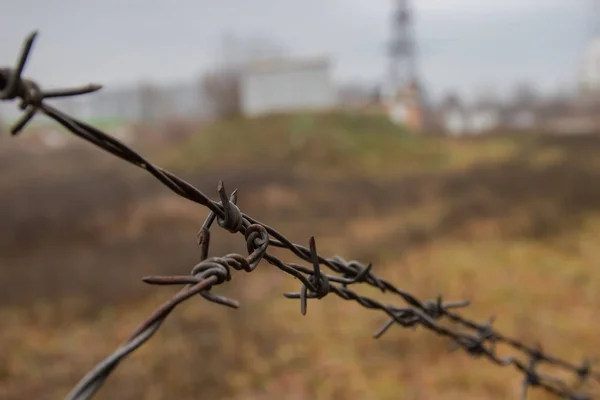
{"x": 464, "y": 45}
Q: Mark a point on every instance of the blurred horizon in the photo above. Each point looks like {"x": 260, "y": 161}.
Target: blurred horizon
{"x": 462, "y": 45}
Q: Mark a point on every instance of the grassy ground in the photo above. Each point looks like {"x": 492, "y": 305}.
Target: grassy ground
{"x": 510, "y": 223}
{"x": 335, "y": 144}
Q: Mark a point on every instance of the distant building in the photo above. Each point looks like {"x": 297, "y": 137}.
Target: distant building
{"x": 518, "y": 118}
{"x": 484, "y": 117}
{"x": 286, "y": 85}
{"x": 571, "y": 115}
{"x": 186, "y": 100}
{"x": 139, "y": 103}
{"x": 453, "y": 116}
{"x": 458, "y": 119}
{"x": 407, "y": 107}
{"x": 584, "y": 107}
{"x": 589, "y": 78}
{"x": 522, "y": 111}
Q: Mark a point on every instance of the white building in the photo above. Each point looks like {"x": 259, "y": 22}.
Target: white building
{"x": 453, "y": 116}
{"x": 479, "y": 118}
{"x": 286, "y": 85}
{"x": 407, "y": 107}
{"x": 455, "y": 122}
{"x": 484, "y": 117}
{"x": 589, "y": 78}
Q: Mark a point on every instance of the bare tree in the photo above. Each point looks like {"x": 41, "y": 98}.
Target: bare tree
{"x": 525, "y": 95}
{"x": 451, "y": 101}
{"x": 487, "y": 95}
{"x": 222, "y": 89}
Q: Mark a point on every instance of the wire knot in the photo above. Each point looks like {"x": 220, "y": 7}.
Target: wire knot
{"x": 317, "y": 285}
{"x": 214, "y": 266}
{"x": 232, "y": 218}
{"x": 257, "y": 242}
{"x": 13, "y": 86}
{"x": 435, "y": 308}
{"x": 216, "y": 269}
{"x": 355, "y": 272}
{"x": 31, "y": 95}
{"x": 321, "y": 285}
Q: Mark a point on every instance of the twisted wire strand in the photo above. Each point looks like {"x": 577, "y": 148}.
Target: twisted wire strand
{"x": 481, "y": 342}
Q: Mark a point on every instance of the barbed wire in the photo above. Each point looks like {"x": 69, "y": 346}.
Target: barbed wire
{"x": 478, "y": 340}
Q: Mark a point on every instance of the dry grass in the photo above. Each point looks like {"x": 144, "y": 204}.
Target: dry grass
{"x": 510, "y": 224}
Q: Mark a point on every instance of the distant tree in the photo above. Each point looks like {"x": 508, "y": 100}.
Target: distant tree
{"x": 487, "y": 96}
{"x": 376, "y": 94}
{"x": 525, "y": 95}
{"x": 451, "y": 100}
{"x": 222, "y": 90}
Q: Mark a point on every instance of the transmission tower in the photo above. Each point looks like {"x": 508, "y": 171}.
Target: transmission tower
{"x": 402, "y": 48}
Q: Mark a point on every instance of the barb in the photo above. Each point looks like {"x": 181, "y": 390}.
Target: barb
{"x": 479, "y": 339}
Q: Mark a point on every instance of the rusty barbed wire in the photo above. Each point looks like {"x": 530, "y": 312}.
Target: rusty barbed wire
{"x": 479, "y": 340}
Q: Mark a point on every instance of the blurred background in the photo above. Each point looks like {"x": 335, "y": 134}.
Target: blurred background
{"x": 453, "y": 144}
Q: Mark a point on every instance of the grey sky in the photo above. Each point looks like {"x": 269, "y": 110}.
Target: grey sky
{"x": 463, "y": 44}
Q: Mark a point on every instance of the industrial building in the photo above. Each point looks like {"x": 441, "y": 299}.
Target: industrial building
{"x": 285, "y": 85}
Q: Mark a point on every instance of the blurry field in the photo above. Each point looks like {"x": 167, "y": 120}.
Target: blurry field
{"x": 510, "y": 223}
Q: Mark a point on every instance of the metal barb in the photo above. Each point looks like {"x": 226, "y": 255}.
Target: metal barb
{"x": 477, "y": 340}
